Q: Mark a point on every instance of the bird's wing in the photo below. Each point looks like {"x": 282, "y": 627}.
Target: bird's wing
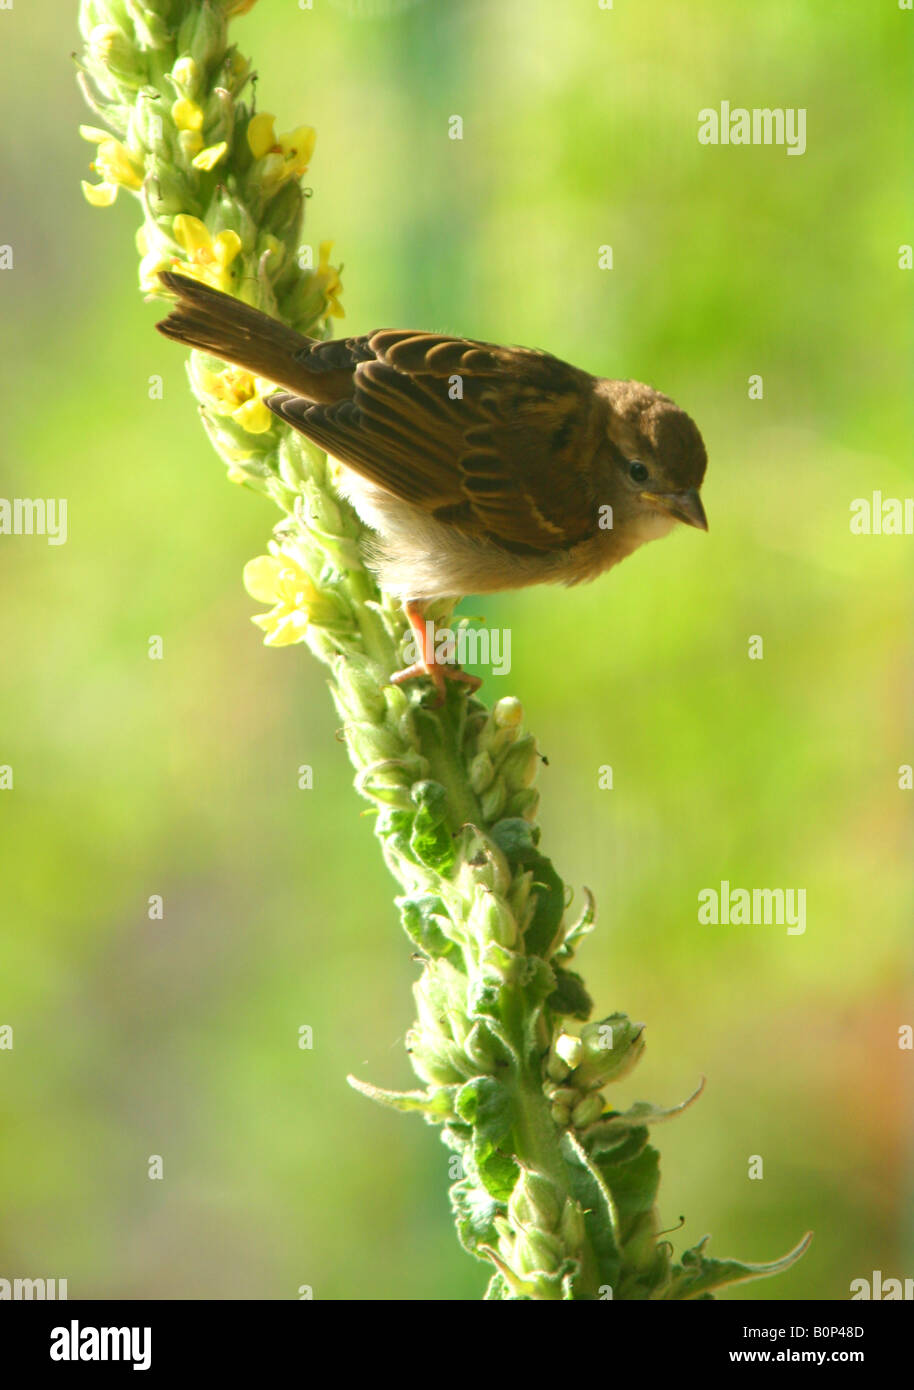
{"x": 486, "y": 438}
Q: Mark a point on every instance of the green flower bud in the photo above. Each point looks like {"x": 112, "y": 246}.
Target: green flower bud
{"x": 284, "y": 214}
{"x": 439, "y": 991}
{"x": 491, "y": 920}
{"x": 508, "y": 712}
{"x": 587, "y": 1110}
{"x": 481, "y": 772}
{"x": 536, "y": 1251}
{"x": 572, "y": 1229}
{"x": 519, "y": 765}
{"x": 493, "y": 801}
{"x": 611, "y": 1049}
{"x": 519, "y": 896}
{"x": 151, "y": 29}
{"x": 556, "y": 1069}
{"x": 534, "y": 1203}
{"x": 565, "y": 1095}
{"x": 370, "y": 743}
{"x": 319, "y": 511}
{"x": 482, "y": 864}
{"x": 186, "y": 76}
{"x": 568, "y": 1048}
{"x": 434, "y": 1059}
{"x": 110, "y": 48}
{"x": 477, "y": 1048}
{"x": 560, "y": 1114}
{"x": 524, "y": 803}
{"x": 203, "y": 35}
{"x": 475, "y": 723}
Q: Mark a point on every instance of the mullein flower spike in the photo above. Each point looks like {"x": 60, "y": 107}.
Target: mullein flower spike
{"x": 558, "y": 1188}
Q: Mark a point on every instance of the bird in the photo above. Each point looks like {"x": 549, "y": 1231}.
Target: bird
{"x": 477, "y": 468}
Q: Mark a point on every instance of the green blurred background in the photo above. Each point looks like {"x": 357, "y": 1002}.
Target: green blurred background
{"x": 178, "y": 777}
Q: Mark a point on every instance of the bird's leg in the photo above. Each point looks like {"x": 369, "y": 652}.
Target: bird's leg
{"x": 437, "y": 672}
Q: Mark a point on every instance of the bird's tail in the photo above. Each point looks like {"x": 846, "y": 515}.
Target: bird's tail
{"x": 214, "y": 322}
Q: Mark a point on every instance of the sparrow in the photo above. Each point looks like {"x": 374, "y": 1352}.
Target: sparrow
{"x": 478, "y": 468}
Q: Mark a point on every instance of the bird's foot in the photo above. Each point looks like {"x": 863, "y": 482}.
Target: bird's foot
{"x": 438, "y": 672}
{"x": 439, "y": 675}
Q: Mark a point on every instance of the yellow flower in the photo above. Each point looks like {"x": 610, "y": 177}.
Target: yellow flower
{"x": 210, "y": 157}
{"x": 185, "y": 74}
{"x": 328, "y": 278}
{"x": 115, "y": 164}
{"x": 239, "y": 394}
{"x": 153, "y": 260}
{"x": 187, "y": 115}
{"x": 208, "y": 257}
{"x": 279, "y": 580}
{"x": 284, "y": 158}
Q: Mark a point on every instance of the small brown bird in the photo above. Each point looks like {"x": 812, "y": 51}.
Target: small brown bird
{"x": 479, "y": 467}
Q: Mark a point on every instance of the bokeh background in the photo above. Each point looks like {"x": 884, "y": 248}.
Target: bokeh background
{"x": 178, "y": 777}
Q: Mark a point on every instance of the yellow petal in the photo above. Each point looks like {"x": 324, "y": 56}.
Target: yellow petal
{"x": 93, "y": 134}
{"x": 298, "y": 146}
{"x": 288, "y": 630}
{"x": 226, "y": 247}
{"x": 187, "y": 115}
{"x": 261, "y": 576}
{"x": 185, "y": 73}
{"x": 261, "y": 135}
{"x": 191, "y": 142}
{"x": 254, "y": 416}
{"x": 150, "y": 266}
{"x": 115, "y": 164}
{"x": 210, "y": 157}
{"x": 100, "y": 195}
{"x": 191, "y": 234}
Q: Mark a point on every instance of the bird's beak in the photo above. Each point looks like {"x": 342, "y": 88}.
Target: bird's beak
{"x": 684, "y": 506}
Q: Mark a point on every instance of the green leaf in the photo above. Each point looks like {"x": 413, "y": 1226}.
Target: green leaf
{"x": 633, "y": 1183}
{"x": 474, "y": 1213}
{"x": 612, "y": 1129}
{"x": 488, "y": 1106}
{"x": 697, "y": 1275}
{"x": 437, "y": 1105}
{"x": 418, "y": 916}
{"x": 600, "y": 1216}
{"x": 498, "y": 1172}
{"x": 570, "y": 994}
{"x": 515, "y": 838}
{"x": 431, "y": 840}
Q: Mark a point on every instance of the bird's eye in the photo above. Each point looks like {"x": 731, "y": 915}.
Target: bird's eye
{"x": 637, "y": 472}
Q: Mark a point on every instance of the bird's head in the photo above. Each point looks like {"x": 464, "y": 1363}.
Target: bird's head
{"x": 657, "y": 453}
